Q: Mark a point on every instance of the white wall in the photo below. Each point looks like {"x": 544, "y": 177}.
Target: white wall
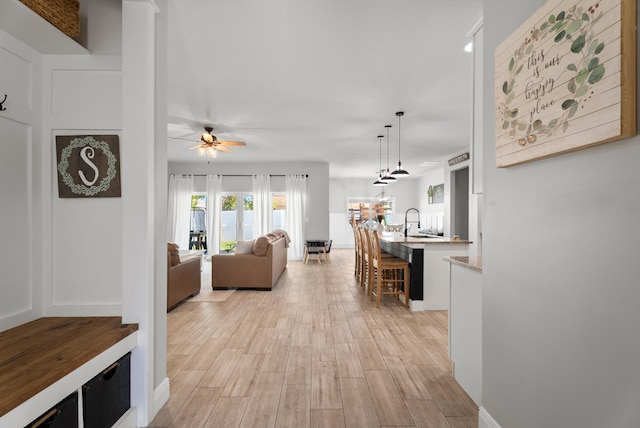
{"x": 408, "y": 193}
{"x": 83, "y": 97}
{"x": 67, "y": 254}
{"x": 432, "y": 214}
{"x": 404, "y": 192}
{"x": 20, "y": 188}
{"x": 317, "y": 209}
{"x": 101, "y": 26}
{"x": 160, "y": 224}
{"x": 561, "y": 273}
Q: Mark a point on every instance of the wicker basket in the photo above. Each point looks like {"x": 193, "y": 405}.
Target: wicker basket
{"x": 63, "y": 14}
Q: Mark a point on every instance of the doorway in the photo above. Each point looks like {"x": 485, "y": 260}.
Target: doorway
{"x": 236, "y": 220}
{"x": 460, "y": 205}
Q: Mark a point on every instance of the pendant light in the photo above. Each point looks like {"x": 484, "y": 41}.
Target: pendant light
{"x": 388, "y": 178}
{"x": 399, "y": 172}
{"x": 379, "y": 181}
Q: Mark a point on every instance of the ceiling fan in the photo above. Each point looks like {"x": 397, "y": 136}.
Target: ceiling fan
{"x": 209, "y": 145}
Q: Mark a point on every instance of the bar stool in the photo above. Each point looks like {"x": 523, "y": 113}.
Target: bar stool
{"x": 391, "y": 273}
{"x": 358, "y": 252}
{"x": 364, "y": 258}
{"x": 368, "y": 280}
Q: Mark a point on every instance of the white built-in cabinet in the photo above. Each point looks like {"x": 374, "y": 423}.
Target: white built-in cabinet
{"x": 465, "y": 329}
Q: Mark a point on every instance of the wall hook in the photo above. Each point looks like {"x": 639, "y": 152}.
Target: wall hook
{"x": 3, "y": 108}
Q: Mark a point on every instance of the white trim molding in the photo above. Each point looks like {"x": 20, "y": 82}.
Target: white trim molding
{"x": 475, "y": 26}
{"x": 485, "y": 420}
{"x": 161, "y": 396}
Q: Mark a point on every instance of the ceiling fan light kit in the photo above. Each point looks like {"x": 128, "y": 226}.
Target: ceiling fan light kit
{"x": 208, "y": 151}
{"x": 206, "y": 136}
{"x": 209, "y": 145}
{"x": 399, "y": 171}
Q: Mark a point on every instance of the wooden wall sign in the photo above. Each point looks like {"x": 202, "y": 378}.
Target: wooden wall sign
{"x": 566, "y": 80}
{"x": 88, "y": 166}
{"x": 460, "y": 158}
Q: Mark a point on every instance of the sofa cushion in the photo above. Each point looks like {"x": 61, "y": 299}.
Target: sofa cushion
{"x": 260, "y": 246}
{"x": 244, "y": 247}
{"x": 173, "y": 251}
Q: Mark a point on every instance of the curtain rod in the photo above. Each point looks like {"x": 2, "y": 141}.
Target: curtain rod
{"x": 243, "y": 175}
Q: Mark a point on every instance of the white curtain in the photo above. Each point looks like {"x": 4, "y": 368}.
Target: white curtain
{"x": 179, "y": 205}
{"x": 262, "y": 205}
{"x": 214, "y": 210}
{"x": 296, "y": 199}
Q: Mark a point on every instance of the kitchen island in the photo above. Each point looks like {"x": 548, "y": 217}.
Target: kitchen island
{"x": 429, "y": 274}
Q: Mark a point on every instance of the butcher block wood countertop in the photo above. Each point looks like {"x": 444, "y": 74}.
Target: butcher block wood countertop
{"x": 41, "y": 352}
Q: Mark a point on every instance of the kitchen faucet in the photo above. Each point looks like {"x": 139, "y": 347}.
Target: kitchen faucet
{"x": 406, "y": 229}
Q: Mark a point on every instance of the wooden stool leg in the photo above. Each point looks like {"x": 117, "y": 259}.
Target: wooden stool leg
{"x": 406, "y": 286}
{"x": 379, "y": 289}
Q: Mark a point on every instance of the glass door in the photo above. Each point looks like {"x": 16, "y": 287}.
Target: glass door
{"x": 198, "y": 229}
{"x": 236, "y": 220}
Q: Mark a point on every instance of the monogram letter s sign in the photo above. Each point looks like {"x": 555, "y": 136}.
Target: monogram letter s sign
{"x": 88, "y": 166}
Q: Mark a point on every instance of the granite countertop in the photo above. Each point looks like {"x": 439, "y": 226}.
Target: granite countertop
{"x": 473, "y": 263}
{"x": 422, "y": 239}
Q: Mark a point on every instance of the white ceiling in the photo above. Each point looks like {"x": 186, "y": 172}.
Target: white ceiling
{"x": 317, "y": 80}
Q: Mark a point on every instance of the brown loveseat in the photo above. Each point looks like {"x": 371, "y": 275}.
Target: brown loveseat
{"x": 183, "y": 276}
{"x": 259, "y": 269}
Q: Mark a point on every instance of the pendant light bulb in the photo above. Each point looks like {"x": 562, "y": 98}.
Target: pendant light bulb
{"x": 399, "y": 171}
{"x": 379, "y": 181}
{"x": 388, "y": 178}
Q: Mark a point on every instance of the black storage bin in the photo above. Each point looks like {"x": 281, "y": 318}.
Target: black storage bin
{"x": 62, "y": 415}
{"x": 106, "y": 397}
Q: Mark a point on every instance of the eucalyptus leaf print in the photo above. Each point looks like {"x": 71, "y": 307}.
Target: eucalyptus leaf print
{"x": 562, "y": 51}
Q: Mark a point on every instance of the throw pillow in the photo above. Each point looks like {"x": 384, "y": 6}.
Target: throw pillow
{"x": 175, "y": 255}
{"x": 244, "y": 247}
{"x": 261, "y": 246}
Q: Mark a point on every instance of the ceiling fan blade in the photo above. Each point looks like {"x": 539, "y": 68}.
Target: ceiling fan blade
{"x": 195, "y": 147}
{"x": 223, "y": 149}
{"x": 182, "y": 139}
{"x": 232, "y": 143}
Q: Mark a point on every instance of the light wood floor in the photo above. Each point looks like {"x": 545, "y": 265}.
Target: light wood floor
{"x": 313, "y": 352}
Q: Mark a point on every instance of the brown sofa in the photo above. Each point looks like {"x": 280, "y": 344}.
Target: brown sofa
{"x": 183, "y": 276}
{"x": 260, "y": 269}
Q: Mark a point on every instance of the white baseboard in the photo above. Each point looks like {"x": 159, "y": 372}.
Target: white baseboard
{"x": 17, "y": 319}
{"x": 83, "y": 311}
{"x": 336, "y": 245}
{"x": 485, "y": 420}
{"x": 128, "y": 420}
{"x": 417, "y": 305}
{"x": 160, "y": 396}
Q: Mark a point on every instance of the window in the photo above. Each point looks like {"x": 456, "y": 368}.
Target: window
{"x": 370, "y": 210}
{"x": 236, "y": 220}
{"x": 279, "y": 211}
